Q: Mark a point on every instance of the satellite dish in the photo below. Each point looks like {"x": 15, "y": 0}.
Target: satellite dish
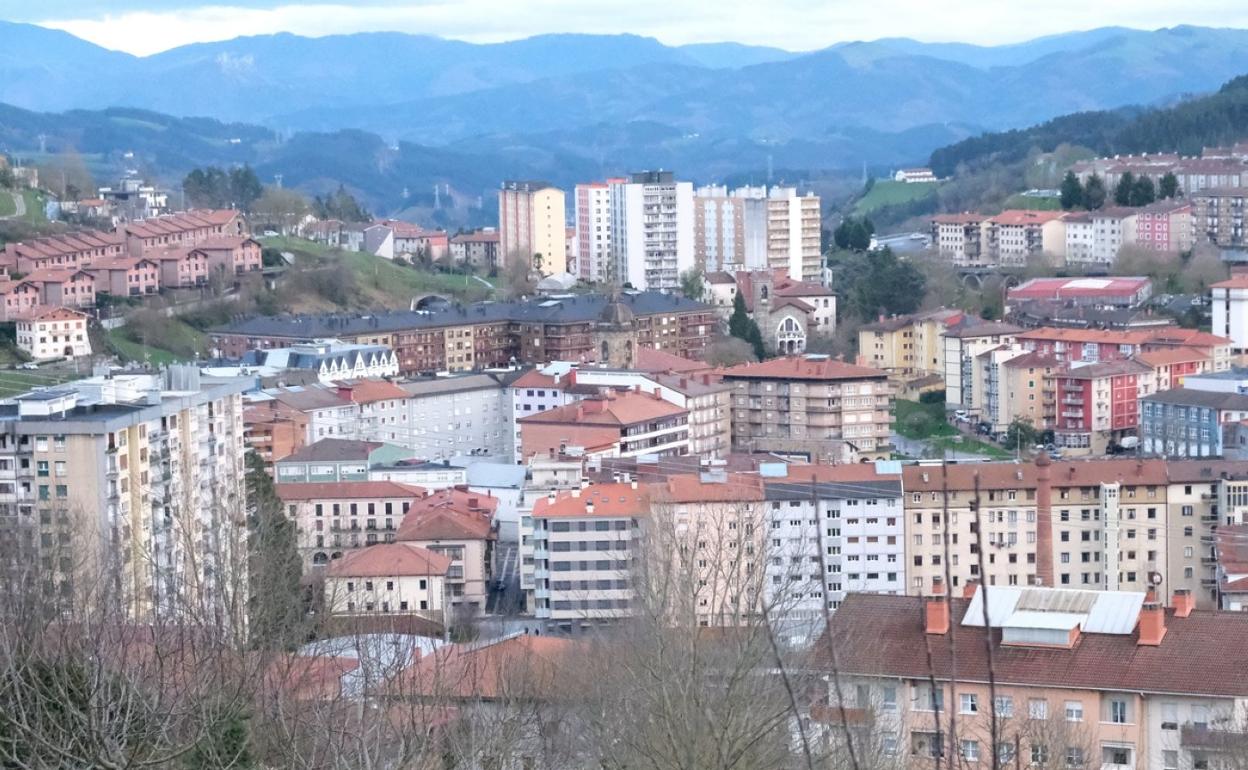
{"x": 1154, "y": 578}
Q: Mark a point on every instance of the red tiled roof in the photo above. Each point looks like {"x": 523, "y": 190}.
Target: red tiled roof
{"x": 56, "y": 314}
{"x": 614, "y": 409}
{"x": 966, "y": 218}
{"x": 390, "y": 560}
{"x": 535, "y": 379}
{"x": 1238, "y": 281}
{"x": 1069, "y": 288}
{"x": 369, "y": 391}
{"x": 1167, "y": 356}
{"x": 443, "y": 524}
{"x": 803, "y": 368}
{"x": 457, "y": 499}
{"x": 522, "y": 667}
{"x": 609, "y": 500}
{"x": 348, "y": 490}
{"x": 653, "y": 360}
{"x": 1017, "y": 217}
{"x": 691, "y": 488}
{"x": 882, "y": 635}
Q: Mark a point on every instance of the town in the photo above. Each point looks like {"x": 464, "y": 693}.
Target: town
{"x": 634, "y": 471}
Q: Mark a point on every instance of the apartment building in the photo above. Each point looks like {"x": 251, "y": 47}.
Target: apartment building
{"x": 388, "y": 579}
{"x": 335, "y": 460}
{"x": 1229, "y": 303}
{"x": 532, "y": 225}
{"x": 963, "y": 239}
{"x": 611, "y": 424}
{"x": 594, "y": 236}
{"x": 1080, "y": 679}
{"x": 991, "y": 401}
{"x": 961, "y": 345}
{"x": 1095, "y": 345}
{"x": 794, "y": 225}
{"x": 126, "y": 276}
{"x": 468, "y": 414}
{"x": 1218, "y": 217}
{"x": 487, "y": 334}
{"x": 479, "y": 250}
{"x": 1099, "y": 404}
{"x": 1186, "y": 422}
{"x": 451, "y": 524}
{"x": 720, "y": 231}
{"x": 53, "y": 333}
{"x": 130, "y": 487}
{"x": 59, "y": 251}
{"x": 811, "y": 406}
{"x": 908, "y": 344}
{"x": 1016, "y": 235}
{"x": 1028, "y": 391}
{"x": 335, "y": 518}
{"x": 1164, "y": 226}
{"x": 584, "y": 547}
{"x": 652, "y": 230}
{"x": 188, "y": 228}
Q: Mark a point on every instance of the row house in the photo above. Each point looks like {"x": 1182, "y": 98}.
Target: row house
{"x": 188, "y": 228}
{"x": 181, "y": 267}
{"x": 1044, "y": 677}
{"x": 18, "y": 299}
{"x": 627, "y": 424}
{"x": 1097, "y": 345}
{"x": 231, "y": 256}
{"x": 61, "y": 251}
{"x": 64, "y": 287}
{"x": 1185, "y": 422}
{"x": 962, "y": 239}
{"x": 126, "y": 276}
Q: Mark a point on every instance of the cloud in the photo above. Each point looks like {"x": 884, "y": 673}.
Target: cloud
{"x": 792, "y": 24}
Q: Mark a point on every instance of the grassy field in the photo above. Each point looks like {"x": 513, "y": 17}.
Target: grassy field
{"x": 1029, "y": 203}
{"x": 886, "y": 192}
{"x": 970, "y": 446}
{"x": 14, "y": 381}
{"x": 8, "y": 207}
{"x": 920, "y": 421}
{"x": 182, "y": 340}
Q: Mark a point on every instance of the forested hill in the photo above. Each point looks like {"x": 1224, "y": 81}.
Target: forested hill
{"x": 1217, "y": 119}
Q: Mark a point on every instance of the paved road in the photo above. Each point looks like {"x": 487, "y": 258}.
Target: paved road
{"x": 19, "y": 205}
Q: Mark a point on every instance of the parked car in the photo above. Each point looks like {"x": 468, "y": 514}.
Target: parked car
{"x": 29, "y": 365}
{"x": 961, "y": 415}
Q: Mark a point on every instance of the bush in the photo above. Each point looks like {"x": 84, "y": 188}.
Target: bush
{"x": 932, "y": 397}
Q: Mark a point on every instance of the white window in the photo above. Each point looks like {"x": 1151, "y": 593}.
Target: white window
{"x": 1039, "y": 754}
{"x": 1118, "y": 711}
{"x": 1038, "y": 708}
{"x": 969, "y": 703}
{"x": 1004, "y": 705}
{"x": 1074, "y": 711}
{"x": 970, "y": 751}
{"x": 1169, "y": 759}
{"x": 888, "y": 744}
{"x": 889, "y": 700}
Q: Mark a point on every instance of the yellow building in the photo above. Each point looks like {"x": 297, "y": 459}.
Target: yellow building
{"x": 909, "y": 344}
{"x": 532, "y": 225}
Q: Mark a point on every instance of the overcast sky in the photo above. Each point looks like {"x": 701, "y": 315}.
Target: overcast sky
{"x": 148, "y": 26}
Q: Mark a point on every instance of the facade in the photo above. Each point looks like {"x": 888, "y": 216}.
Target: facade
{"x": 335, "y": 460}
{"x": 651, "y": 230}
{"x": 810, "y": 406}
{"x": 1218, "y": 217}
{"x": 126, "y": 276}
{"x": 331, "y": 360}
{"x": 460, "y": 415}
{"x": 794, "y": 225}
{"x": 532, "y": 226}
{"x": 1189, "y": 423}
{"x": 593, "y": 230}
{"x": 449, "y": 525}
{"x": 478, "y": 250}
{"x": 488, "y": 334}
{"x": 1016, "y": 235}
{"x": 388, "y": 579}
{"x": 1229, "y": 305}
{"x": 130, "y": 485}
{"x": 908, "y": 345}
{"x": 1131, "y": 291}
{"x": 1164, "y": 226}
{"x": 335, "y": 518}
{"x": 1077, "y": 679}
{"x": 54, "y": 333}
{"x": 61, "y": 251}
{"x": 961, "y": 345}
{"x": 963, "y": 239}
{"x": 1098, "y": 404}
{"x": 719, "y": 229}
{"x": 627, "y": 424}
{"x": 181, "y": 267}
{"x": 188, "y": 228}
{"x": 584, "y": 546}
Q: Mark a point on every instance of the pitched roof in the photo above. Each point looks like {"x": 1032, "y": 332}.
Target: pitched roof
{"x": 1237, "y": 281}
{"x": 519, "y": 667}
{"x": 309, "y": 398}
{"x": 1019, "y": 217}
{"x": 333, "y": 450}
{"x": 653, "y": 360}
{"x": 348, "y": 490}
{"x": 612, "y": 409}
{"x": 608, "y": 500}
{"x": 443, "y": 524}
{"x": 1070, "y": 288}
{"x": 370, "y": 391}
{"x": 882, "y": 635}
{"x": 1206, "y": 398}
{"x": 1168, "y": 356}
{"x": 975, "y": 328}
{"x": 699, "y": 488}
{"x": 389, "y": 560}
{"x": 803, "y": 368}
{"x": 56, "y": 314}
{"x": 1118, "y": 368}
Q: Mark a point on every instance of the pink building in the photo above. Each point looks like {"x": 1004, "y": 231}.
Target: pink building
{"x": 235, "y": 255}
{"x": 126, "y": 276}
{"x": 182, "y": 267}
{"x": 64, "y": 287}
{"x": 190, "y": 228}
{"x": 1164, "y": 226}
{"x": 18, "y": 299}
{"x": 61, "y": 251}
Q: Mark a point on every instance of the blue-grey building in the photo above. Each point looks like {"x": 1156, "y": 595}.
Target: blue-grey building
{"x": 1191, "y": 423}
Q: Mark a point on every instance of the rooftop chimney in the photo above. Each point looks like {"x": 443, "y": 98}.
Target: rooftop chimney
{"x": 937, "y": 608}
{"x": 968, "y": 590}
{"x": 1183, "y": 602}
{"x": 1152, "y": 624}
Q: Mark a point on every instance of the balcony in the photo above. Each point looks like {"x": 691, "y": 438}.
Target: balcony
{"x": 1205, "y": 738}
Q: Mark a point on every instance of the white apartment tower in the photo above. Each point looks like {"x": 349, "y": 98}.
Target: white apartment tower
{"x": 793, "y": 231}
{"x": 753, "y": 228}
{"x": 652, "y": 230}
{"x": 593, "y": 229}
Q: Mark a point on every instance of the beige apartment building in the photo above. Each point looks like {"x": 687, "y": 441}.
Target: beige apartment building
{"x": 811, "y": 406}
{"x": 1218, "y": 216}
{"x": 466, "y": 539}
{"x": 1124, "y": 525}
{"x": 1027, "y": 390}
{"x": 532, "y": 225}
{"x": 909, "y": 344}
{"x": 962, "y": 239}
{"x": 388, "y": 579}
{"x": 584, "y": 546}
{"x": 336, "y": 517}
{"x": 793, "y": 234}
{"x": 962, "y": 344}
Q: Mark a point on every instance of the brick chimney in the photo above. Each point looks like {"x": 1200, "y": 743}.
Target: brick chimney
{"x": 1044, "y": 521}
{"x": 937, "y": 608}
{"x": 968, "y": 590}
{"x": 1152, "y": 624}
{"x": 1183, "y": 602}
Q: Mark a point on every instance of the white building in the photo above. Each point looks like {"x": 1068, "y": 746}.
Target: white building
{"x": 468, "y": 414}
{"x": 593, "y": 229}
{"x": 56, "y": 332}
{"x": 652, "y": 230}
{"x": 332, "y": 360}
{"x": 388, "y": 579}
{"x": 1230, "y": 311}
{"x": 794, "y": 225}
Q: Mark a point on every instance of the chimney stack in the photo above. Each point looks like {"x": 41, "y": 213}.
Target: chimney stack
{"x": 1152, "y": 624}
{"x": 937, "y": 608}
{"x": 1183, "y": 602}
{"x": 968, "y": 590}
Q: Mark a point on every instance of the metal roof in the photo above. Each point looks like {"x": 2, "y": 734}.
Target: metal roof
{"x": 1101, "y": 612}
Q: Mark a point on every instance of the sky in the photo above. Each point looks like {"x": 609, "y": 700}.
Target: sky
{"x": 144, "y": 27}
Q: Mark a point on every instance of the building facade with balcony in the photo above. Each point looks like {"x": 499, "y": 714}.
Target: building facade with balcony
{"x": 334, "y": 518}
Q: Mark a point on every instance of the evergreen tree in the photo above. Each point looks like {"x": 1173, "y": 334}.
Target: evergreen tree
{"x": 245, "y": 188}
{"x": 743, "y": 327}
{"x": 1142, "y": 192}
{"x": 275, "y": 607}
{"x": 840, "y": 236}
{"x": 1094, "y": 193}
{"x": 1072, "y": 192}
{"x": 1122, "y": 193}
{"x": 1169, "y": 186}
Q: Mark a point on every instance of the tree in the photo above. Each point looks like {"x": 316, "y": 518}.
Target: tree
{"x": 878, "y": 282}
{"x": 1021, "y": 433}
{"x": 1072, "y": 192}
{"x": 340, "y": 204}
{"x": 693, "y": 284}
{"x": 743, "y": 327}
{"x": 275, "y": 607}
{"x": 1143, "y": 191}
{"x": 1122, "y": 193}
{"x": 245, "y": 188}
{"x": 854, "y": 234}
{"x": 1094, "y": 193}
{"x": 1168, "y": 187}
{"x": 729, "y": 351}
{"x": 280, "y": 208}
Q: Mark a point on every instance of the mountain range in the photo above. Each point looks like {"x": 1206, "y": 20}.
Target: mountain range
{"x": 564, "y": 105}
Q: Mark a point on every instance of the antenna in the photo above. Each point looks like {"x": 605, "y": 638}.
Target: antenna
{"x": 277, "y": 180}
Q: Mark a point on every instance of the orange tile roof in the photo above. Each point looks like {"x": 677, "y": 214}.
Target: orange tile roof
{"x": 1017, "y": 217}
{"x": 653, "y": 360}
{"x": 56, "y": 314}
{"x": 824, "y": 473}
{"x": 522, "y": 667}
{"x": 459, "y": 500}
{"x": 535, "y": 379}
{"x": 615, "y": 409}
{"x": 348, "y": 490}
{"x": 803, "y": 368}
{"x": 390, "y": 560}
{"x": 1239, "y": 281}
{"x": 443, "y": 524}
{"x": 608, "y": 500}
{"x": 1167, "y": 356}
{"x": 370, "y": 391}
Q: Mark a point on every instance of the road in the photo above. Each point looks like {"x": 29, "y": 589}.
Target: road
{"x": 19, "y": 205}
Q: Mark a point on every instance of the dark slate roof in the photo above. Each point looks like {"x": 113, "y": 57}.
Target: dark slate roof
{"x": 333, "y": 450}
{"x": 1205, "y": 398}
{"x": 787, "y": 489}
{"x": 881, "y": 635}
{"x": 580, "y": 308}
